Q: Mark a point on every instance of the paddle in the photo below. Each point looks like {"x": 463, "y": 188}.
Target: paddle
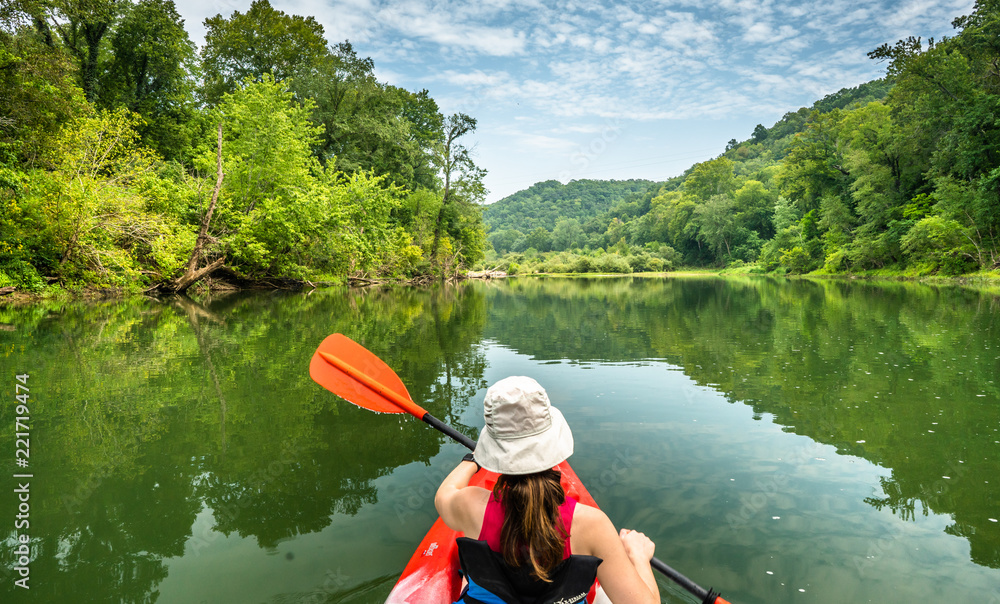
{"x": 355, "y": 374}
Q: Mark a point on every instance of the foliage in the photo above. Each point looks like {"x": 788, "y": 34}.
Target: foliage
{"x": 939, "y": 244}
{"x": 544, "y": 204}
{"x": 86, "y": 218}
{"x": 38, "y": 93}
{"x": 262, "y": 41}
{"x": 151, "y": 74}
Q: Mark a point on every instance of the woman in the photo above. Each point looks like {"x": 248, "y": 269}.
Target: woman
{"x": 523, "y": 524}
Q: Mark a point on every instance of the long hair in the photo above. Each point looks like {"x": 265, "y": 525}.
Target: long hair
{"x": 533, "y": 531}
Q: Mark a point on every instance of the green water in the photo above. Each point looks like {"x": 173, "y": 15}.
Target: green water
{"x": 782, "y": 441}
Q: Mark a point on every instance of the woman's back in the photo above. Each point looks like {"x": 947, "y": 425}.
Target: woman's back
{"x": 523, "y": 440}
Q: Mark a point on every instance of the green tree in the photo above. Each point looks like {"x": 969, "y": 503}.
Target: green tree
{"x": 151, "y": 73}
{"x": 38, "y": 89}
{"x": 539, "y": 238}
{"x": 270, "y": 196}
{"x": 815, "y": 164}
{"x": 369, "y": 125}
{"x": 94, "y": 224}
{"x": 940, "y": 244}
{"x": 717, "y": 224}
{"x": 261, "y": 41}
{"x": 754, "y": 207}
{"x": 82, "y": 25}
{"x": 567, "y": 234}
{"x": 506, "y": 240}
{"x": 463, "y": 179}
{"x": 836, "y": 223}
{"x": 710, "y": 178}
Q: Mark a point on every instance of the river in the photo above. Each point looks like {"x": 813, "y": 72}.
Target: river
{"x": 822, "y": 441}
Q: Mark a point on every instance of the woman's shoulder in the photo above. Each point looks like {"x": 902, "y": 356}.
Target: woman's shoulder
{"x": 589, "y": 517}
{"x": 590, "y": 529}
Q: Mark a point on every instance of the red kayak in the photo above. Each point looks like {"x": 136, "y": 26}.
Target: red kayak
{"x": 432, "y": 574}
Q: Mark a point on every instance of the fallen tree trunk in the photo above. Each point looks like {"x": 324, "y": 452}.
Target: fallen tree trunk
{"x": 193, "y": 274}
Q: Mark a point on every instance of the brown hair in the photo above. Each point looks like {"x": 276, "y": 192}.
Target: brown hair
{"x": 533, "y": 530}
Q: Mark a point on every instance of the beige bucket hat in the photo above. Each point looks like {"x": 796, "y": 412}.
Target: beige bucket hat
{"x": 524, "y": 433}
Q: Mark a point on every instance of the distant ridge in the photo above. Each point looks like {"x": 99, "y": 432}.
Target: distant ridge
{"x": 545, "y": 203}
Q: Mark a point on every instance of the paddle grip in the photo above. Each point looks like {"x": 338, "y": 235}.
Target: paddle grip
{"x": 453, "y": 433}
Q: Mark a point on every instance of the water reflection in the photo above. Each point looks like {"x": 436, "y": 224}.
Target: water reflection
{"x": 145, "y": 413}
{"x": 903, "y": 375}
{"x": 182, "y": 453}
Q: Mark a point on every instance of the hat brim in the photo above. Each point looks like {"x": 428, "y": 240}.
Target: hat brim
{"x": 528, "y": 454}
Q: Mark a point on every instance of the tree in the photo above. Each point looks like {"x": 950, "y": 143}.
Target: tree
{"x": 714, "y": 177}
{"x": 261, "y": 41}
{"x": 539, "y": 238}
{"x": 506, "y": 240}
{"x": 82, "y": 25}
{"x": 368, "y": 125}
{"x": 193, "y": 274}
{"x": 717, "y": 224}
{"x": 754, "y": 207}
{"x": 815, "y": 165}
{"x": 270, "y": 197}
{"x": 462, "y": 178}
{"x": 567, "y": 234}
{"x": 38, "y": 91}
{"x": 836, "y": 223}
{"x": 759, "y": 134}
{"x": 151, "y": 73}
{"x": 94, "y": 224}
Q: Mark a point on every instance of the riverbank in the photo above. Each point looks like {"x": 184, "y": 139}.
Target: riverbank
{"x": 56, "y": 293}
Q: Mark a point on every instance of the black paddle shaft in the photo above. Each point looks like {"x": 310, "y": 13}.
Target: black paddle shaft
{"x": 455, "y": 434}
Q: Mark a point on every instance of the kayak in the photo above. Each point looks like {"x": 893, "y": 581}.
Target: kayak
{"x": 432, "y": 575}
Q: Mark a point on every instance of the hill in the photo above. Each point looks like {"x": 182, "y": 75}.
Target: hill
{"x": 543, "y": 204}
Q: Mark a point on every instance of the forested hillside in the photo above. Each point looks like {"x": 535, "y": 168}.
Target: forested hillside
{"x": 131, "y": 159}
{"x": 899, "y": 175}
{"x": 544, "y": 204}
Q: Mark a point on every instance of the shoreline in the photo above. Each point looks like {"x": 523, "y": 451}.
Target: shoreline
{"x": 20, "y": 297}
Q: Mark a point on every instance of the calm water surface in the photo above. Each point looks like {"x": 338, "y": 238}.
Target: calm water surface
{"x": 782, "y": 441}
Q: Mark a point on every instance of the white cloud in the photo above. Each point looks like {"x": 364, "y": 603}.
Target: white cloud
{"x": 576, "y": 63}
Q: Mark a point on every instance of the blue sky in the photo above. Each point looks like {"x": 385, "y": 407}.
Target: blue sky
{"x": 571, "y": 90}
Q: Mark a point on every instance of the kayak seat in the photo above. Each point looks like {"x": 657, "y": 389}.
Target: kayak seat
{"x": 492, "y": 581}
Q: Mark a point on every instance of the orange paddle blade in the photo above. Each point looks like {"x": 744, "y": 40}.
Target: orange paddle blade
{"x": 353, "y": 373}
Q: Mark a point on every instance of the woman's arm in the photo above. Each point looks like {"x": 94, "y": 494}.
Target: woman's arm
{"x": 458, "y": 504}
{"x": 625, "y": 572}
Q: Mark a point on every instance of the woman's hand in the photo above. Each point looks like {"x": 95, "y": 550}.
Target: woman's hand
{"x": 638, "y": 546}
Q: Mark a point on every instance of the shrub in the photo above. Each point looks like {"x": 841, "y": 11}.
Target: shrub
{"x": 940, "y": 245}
{"x": 20, "y": 274}
{"x": 611, "y": 263}
{"x": 837, "y": 261}
{"x": 582, "y": 264}
{"x": 796, "y": 260}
